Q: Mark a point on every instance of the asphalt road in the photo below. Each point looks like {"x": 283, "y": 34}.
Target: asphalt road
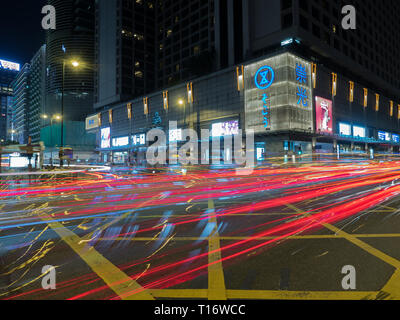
{"x": 284, "y": 231}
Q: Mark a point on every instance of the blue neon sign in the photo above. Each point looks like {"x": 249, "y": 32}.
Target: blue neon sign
{"x": 301, "y": 78}
{"x": 264, "y": 77}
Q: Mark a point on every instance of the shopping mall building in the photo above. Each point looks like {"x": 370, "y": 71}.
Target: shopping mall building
{"x": 292, "y": 104}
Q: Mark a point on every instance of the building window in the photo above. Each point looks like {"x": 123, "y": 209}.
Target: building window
{"x": 287, "y": 21}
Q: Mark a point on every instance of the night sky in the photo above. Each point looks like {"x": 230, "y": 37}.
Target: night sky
{"x": 21, "y": 33}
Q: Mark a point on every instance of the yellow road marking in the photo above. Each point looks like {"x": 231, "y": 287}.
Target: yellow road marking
{"x": 300, "y": 295}
{"x": 392, "y": 287}
{"x": 116, "y": 279}
{"x": 180, "y": 293}
{"x": 216, "y": 280}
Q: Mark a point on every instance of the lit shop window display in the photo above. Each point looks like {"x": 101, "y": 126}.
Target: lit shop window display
{"x": 384, "y": 136}
{"x": 139, "y": 139}
{"x": 359, "y": 132}
{"x": 225, "y": 128}
{"x": 345, "y": 129}
{"x": 120, "y": 142}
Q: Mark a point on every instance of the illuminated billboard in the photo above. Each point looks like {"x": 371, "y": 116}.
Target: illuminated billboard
{"x": 92, "y": 122}
{"x": 323, "y": 110}
{"x": 9, "y": 65}
{"x": 106, "y": 138}
{"x": 19, "y": 162}
{"x": 344, "y": 129}
{"x": 278, "y": 94}
{"x": 139, "y": 139}
{"x": 384, "y": 136}
{"x": 120, "y": 142}
{"x": 359, "y": 132}
{"x": 225, "y": 128}
{"x": 396, "y": 138}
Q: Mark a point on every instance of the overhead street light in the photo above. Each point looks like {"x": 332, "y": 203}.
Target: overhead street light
{"x": 75, "y": 64}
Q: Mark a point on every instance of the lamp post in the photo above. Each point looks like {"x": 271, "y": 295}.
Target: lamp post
{"x": 75, "y": 64}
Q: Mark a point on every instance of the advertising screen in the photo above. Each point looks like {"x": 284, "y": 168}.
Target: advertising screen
{"x": 139, "y": 139}
{"x": 105, "y": 138}
{"x": 92, "y": 122}
{"x": 9, "y": 65}
{"x": 344, "y": 129}
{"x": 323, "y": 110}
{"x": 396, "y": 138}
{"x": 120, "y": 142}
{"x": 19, "y": 162}
{"x": 384, "y": 136}
{"x": 359, "y": 132}
{"x": 225, "y": 128}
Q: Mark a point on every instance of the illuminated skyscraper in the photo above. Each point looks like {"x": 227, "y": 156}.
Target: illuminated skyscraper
{"x": 8, "y": 72}
{"x": 72, "y": 39}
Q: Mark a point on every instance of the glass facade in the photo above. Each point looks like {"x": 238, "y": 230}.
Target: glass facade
{"x": 279, "y": 97}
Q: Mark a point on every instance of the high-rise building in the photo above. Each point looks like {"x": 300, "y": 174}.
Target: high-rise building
{"x": 73, "y": 39}
{"x": 142, "y": 45}
{"x": 286, "y": 69}
{"x": 37, "y": 85}
{"x": 29, "y": 99}
{"x": 195, "y": 37}
{"x": 125, "y": 50}
{"x": 8, "y": 72}
{"x": 21, "y": 102}
{"x": 315, "y": 27}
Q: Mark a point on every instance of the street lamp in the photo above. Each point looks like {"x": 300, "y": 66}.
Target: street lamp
{"x": 74, "y": 64}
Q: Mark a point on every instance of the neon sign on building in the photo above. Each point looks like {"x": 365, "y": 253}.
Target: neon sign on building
{"x": 9, "y": 65}
{"x": 263, "y": 79}
{"x": 278, "y": 93}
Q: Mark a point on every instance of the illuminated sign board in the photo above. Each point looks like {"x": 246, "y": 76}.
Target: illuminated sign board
{"x": 263, "y": 79}
{"x": 9, "y": 65}
{"x": 120, "y": 142}
{"x": 260, "y": 153}
{"x": 359, "y": 132}
{"x": 278, "y": 94}
{"x": 19, "y": 162}
{"x": 225, "y": 128}
{"x": 384, "y": 136}
{"x": 92, "y": 122}
{"x": 396, "y": 138}
{"x": 139, "y": 139}
{"x": 106, "y": 138}
{"x": 323, "y": 110}
{"x": 344, "y": 129}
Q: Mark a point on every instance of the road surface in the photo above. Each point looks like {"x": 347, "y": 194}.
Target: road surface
{"x": 285, "y": 231}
